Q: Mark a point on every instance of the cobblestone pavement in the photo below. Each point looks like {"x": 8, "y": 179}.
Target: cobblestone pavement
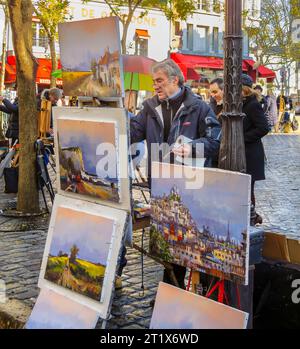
{"x": 21, "y": 251}
{"x": 278, "y": 197}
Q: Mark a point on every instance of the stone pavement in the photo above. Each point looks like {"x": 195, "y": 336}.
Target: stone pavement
{"x": 278, "y": 197}
{"x": 22, "y": 242}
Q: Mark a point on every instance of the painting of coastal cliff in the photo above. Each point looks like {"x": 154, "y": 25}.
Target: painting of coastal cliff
{"x": 204, "y": 228}
{"x": 91, "y": 58}
{"x": 84, "y": 166}
{"x": 78, "y": 252}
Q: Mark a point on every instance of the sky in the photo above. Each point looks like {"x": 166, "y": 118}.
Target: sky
{"x": 81, "y": 41}
{"x": 223, "y": 198}
{"x": 54, "y": 311}
{"x": 91, "y": 234}
{"x": 190, "y": 311}
{"x": 87, "y": 135}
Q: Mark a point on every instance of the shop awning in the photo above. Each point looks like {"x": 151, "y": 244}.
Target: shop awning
{"x": 197, "y": 62}
{"x": 263, "y": 71}
{"x": 43, "y": 74}
{"x": 142, "y": 33}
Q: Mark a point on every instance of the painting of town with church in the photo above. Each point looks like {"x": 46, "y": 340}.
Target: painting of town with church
{"x": 205, "y": 229}
{"x": 91, "y": 58}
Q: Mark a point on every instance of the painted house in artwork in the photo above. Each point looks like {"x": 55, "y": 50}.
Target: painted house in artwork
{"x": 108, "y": 70}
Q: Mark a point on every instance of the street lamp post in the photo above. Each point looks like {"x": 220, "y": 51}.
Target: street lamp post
{"x": 232, "y": 150}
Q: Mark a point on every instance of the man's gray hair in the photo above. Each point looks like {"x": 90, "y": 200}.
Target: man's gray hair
{"x": 219, "y": 82}
{"x": 171, "y": 69}
{"x": 55, "y": 92}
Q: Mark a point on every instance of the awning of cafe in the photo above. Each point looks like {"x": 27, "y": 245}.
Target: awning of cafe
{"x": 216, "y": 63}
{"x": 43, "y": 74}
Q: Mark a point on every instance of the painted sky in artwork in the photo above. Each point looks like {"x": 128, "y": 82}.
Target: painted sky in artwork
{"x": 92, "y": 235}
{"x": 54, "y": 311}
{"x": 223, "y": 198}
{"x": 87, "y": 135}
{"x": 82, "y": 41}
{"x": 190, "y": 311}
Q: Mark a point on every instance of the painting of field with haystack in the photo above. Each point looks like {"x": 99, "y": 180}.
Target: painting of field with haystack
{"x": 78, "y": 252}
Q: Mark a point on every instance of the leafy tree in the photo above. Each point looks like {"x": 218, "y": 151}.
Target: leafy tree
{"x": 173, "y": 9}
{"x": 271, "y": 36}
{"x": 74, "y": 251}
{"x": 50, "y": 13}
{"x": 20, "y": 13}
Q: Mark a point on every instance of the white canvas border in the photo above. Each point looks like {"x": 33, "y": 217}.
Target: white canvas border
{"x": 114, "y": 115}
{"x": 119, "y": 217}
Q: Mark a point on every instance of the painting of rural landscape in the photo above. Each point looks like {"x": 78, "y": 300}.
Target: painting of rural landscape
{"x": 79, "y": 165}
{"x": 190, "y": 311}
{"x": 205, "y": 229}
{"x": 78, "y": 252}
{"x": 55, "y": 311}
{"x": 91, "y": 68}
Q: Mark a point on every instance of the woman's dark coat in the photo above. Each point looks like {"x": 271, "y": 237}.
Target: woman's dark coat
{"x": 255, "y": 127}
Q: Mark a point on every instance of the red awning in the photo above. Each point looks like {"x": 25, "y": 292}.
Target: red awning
{"x": 186, "y": 62}
{"x": 43, "y": 74}
{"x": 263, "y": 71}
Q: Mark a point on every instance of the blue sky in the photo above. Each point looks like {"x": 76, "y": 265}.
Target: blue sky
{"x": 223, "y": 198}
{"x": 92, "y": 235}
{"x": 53, "y": 311}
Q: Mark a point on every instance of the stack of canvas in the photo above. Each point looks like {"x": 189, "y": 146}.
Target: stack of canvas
{"x": 91, "y": 209}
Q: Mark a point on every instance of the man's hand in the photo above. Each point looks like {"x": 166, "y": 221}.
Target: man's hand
{"x": 184, "y": 150}
{"x": 1, "y": 98}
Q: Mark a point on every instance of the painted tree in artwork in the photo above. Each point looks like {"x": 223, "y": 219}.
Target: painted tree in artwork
{"x": 50, "y": 13}
{"x": 20, "y": 14}
{"x": 74, "y": 251}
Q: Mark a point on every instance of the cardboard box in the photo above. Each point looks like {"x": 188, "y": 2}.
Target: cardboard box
{"x": 276, "y": 247}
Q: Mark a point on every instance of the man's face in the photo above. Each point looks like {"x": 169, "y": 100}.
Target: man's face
{"x": 163, "y": 86}
{"x": 53, "y": 99}
{"x": 216, "y": 92}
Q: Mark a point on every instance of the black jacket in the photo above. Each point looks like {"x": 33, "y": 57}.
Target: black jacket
{"x": 255, "y": 127}
{"x": 13, "y": 124}
{"x": 194, "y": 119}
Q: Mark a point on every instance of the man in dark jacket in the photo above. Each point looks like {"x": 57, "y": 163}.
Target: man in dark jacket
{"x": 216, "y": 90}
{"x": 13, "y": 124}
{"x": 175, "y": 111}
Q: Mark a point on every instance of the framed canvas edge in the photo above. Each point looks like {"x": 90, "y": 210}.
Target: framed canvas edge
{"x": 119, "y": 218}
{"x": 111, "y": 114}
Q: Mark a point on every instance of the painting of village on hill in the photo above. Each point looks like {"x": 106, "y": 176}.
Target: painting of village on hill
{"x": 90, "y": 58}
{"x": 205, "y": 229}
{"x": 78, "y": 252}
{"x": 78, "y": 141}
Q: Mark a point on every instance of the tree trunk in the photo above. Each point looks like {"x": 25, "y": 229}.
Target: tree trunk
{"x": 3, "y": 63}
{"x": 53, "y": 60}
{"x": 3, "y": 60}
{"x": 20, "y": 12}
{"x": 124, "y": 36}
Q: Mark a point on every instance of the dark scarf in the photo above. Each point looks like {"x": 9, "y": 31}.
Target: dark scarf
{"x": 169, "y": 110}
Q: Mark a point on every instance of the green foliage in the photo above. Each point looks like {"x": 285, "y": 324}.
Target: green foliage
{"x": 50, "y": 13}
{"x": 159, "y": 246}
{"x": 271, "y": 36}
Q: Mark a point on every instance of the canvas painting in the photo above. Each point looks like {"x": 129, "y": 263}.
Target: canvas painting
{"x": 91, "y": 58}
{"x": 190, "y": 311}
{"x": 82, "y": 249}
{"x": 54, "y": 311}
{"x": 203, "y": 226}
{"x": 92, "y": 156}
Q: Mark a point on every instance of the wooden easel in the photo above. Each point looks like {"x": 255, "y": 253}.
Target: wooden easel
{"x": 44, "y": 118}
